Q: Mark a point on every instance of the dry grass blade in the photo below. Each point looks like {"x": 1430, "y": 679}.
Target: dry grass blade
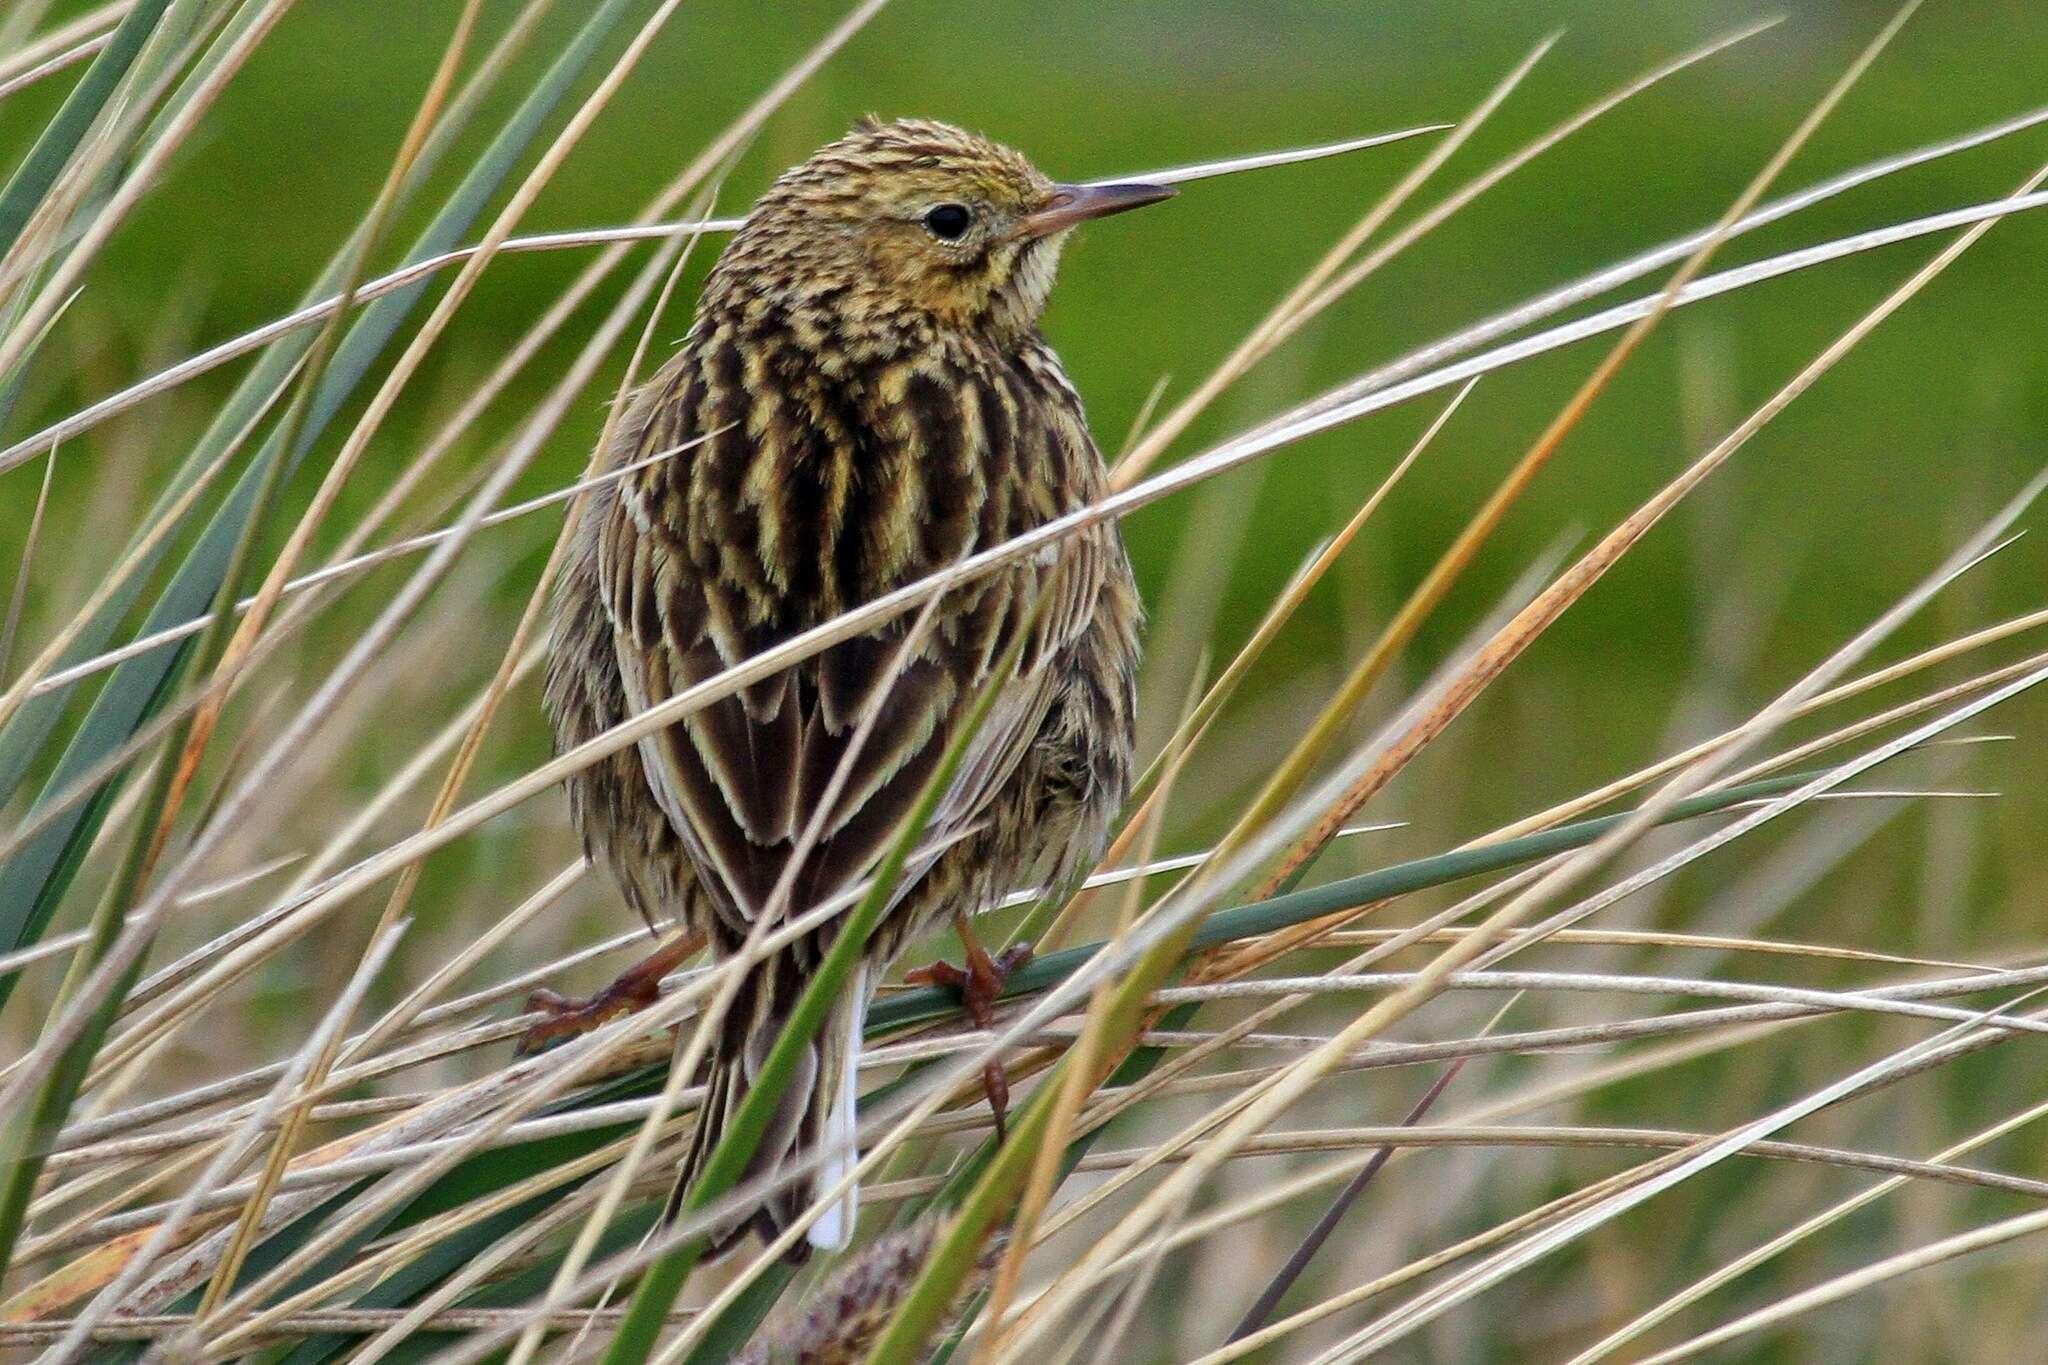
{"x": 1806, "y": 1228}
{"x": 164, "y": 1236}
{"x": 1856, "y": 1281}
{"x": 1430, "y": 593}
{"x": 17, "y": 598}
{"x": 313, "y": 314}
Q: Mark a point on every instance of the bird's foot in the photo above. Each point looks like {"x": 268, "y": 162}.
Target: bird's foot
{"x": 635, "y": 989}
{"x": 980, "y": 985}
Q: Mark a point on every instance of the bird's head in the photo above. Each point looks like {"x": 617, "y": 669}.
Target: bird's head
{"x": 910, "y": 218}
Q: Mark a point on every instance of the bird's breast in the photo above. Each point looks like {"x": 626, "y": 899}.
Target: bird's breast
{"x": 826, "y": 476}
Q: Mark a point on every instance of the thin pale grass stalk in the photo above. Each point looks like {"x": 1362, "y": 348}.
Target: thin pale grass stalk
{"x": 688, "y": 1058}
{"x": 422, "y": 1238}
{"x": 365, "y": 817}
{"x": 1284, "y": 1279}
{"x": 227, "y": 665}
{"x": 345, "y": 567}
{"x": 318, "y": 1322}
{"x": 135, "y": 559}
{"x": 1425, "y": 1307}
{"x": 1451, "y": 566}
{"x": 93, "y": 23}
{"x": 1276, "y": 1096}
{"x": 1856, "y": 1281}
{"x": 1537, "y": 1217}
{"x": 1324, "y": 284}
{"x": 1376, "y": 1019}
{"x": 1671, "y": 1305}
{"x": 1189, "y": 733}
{"x": 669, "y": 262}
{"x": 69, "y": 274}
{"x": 88, "y": 1141}
{"x": 1274, "y": 327}
{"x": 1368, "y": 1141}
{"x": 57, "y": 945}
{"x": 1855, "y": 687}
{"x": 1039, "y": 1185}
{"x": 709, "y": 1196}
{"x": 1531, "y": 1098}
{"x": 486, "y": 1108}
{"x": 1013, "y": 1032}
{"x": 100, "y": 119}
{"x": 646, "y": 229}
{"x": 62, "y": 61}
{"x": 458, "y": 115}
{"x": 1707, "y": 770}
{"x": 1658, "y": 938}
{"x": 129, "y": 945}
{"x": 17, "y": 599}
{"x": 1430, "y": 1305}
{"x": 1936, "y": 1052}
{"x": 1620, "y": 984}
{"x": 233, "y": 1152}
{"x": 1296, "y": 426}
{"x": 1166, "y": 1074}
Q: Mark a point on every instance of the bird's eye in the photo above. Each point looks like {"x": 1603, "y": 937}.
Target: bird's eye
{"x": 949, "y": 222}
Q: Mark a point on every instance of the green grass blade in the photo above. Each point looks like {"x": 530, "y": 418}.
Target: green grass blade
{"x": 36, "y": 877}
{"x": 60, "y": 137}
{"x": 1298, "y": 907}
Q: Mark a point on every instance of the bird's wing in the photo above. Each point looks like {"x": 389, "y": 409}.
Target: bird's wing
{"x": 742, "y": 777}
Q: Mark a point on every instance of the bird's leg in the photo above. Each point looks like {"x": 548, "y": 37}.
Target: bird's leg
{"x": 634, "y": 989}
{"x": 980, "y": 985}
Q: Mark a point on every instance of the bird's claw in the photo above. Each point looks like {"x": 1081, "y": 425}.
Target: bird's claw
{"x": 980, "y": 985}
{"x": 565, "y": 1016}
{"x": 635, "y": 989}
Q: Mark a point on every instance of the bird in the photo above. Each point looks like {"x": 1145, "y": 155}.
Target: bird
{"x": 864, "y": 399}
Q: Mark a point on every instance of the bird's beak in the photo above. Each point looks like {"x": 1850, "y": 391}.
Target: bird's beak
{"x": 1069, "y": 205}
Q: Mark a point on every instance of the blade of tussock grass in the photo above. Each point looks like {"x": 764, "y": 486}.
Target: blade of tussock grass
{"x": 171, "y": 779}
{"x": 419, "y": 269}
{"x": 1336, "y": 274}
{"x": 703, "y": 162}
{"x": 244, "y": 1142}
{"x": 94, "y": 26}
{"x": 60, "y": 136}
{"x": 1399, "y": 1322}
{"x": 17, "y": 597}
{"x": 1315, "y": 417}
{"x": 128, "y": 947}
{"x": 22, "y": 737}
{"x": 1741, "y": 1265}
{"x": 915, "y": 1320}
{"x": 31, "y": 874}
{"x": 955, "y": 1005}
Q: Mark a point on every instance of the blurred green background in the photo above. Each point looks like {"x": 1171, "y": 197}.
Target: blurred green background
{"x": 1842, "y": 504}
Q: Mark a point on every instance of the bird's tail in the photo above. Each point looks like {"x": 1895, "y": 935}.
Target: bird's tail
{"x": 815, "y": 1114}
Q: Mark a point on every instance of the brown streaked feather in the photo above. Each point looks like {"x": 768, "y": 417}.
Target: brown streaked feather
{"x": 737, "y": 774}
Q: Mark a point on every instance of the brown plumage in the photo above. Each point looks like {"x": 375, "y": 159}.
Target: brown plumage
{"x": 870, "y": 401}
